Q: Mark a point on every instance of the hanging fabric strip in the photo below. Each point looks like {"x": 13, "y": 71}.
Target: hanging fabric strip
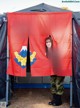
{"x": 18, "y": 42}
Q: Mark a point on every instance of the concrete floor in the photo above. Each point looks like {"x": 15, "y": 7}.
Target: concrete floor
{"x": 35, "y": 98}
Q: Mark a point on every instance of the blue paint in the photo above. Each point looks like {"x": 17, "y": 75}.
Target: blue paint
{"x": 37, "y": 86}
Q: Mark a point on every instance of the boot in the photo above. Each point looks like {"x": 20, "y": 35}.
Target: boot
{"x": 53, "y": 100}
{"x": 58, "y": 100}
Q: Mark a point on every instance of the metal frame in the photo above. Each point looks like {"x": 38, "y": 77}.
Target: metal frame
{"x": 71, "y": 93}
{"x": 71, "y": 81}
{"x": 7, "y": 77}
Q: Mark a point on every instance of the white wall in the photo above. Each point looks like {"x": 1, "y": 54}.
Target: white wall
{"x": 14, "y": 5}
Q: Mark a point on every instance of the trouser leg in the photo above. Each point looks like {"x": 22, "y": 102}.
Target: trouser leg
{"x": 53, "y": 84}
{"x": 57, "y": 89}
{"x": 59, "y": 85}
{"x": 53, "y": 88}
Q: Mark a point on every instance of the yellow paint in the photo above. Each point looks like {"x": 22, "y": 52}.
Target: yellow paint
{"x": 21, "y": 59}
{"x": 32, "y": 56}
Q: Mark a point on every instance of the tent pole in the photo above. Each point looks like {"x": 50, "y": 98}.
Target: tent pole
{"x": 71, "y": 79}
{"x": 7, "y": 90}
{"x": 71, "y": 93}
{"x": 7, "y": 77}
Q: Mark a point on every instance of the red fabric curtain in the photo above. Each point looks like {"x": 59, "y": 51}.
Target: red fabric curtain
{"x": 18, "y": 41}
{"x": 59, "y": 26}
{"x": 38, "y": 26}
